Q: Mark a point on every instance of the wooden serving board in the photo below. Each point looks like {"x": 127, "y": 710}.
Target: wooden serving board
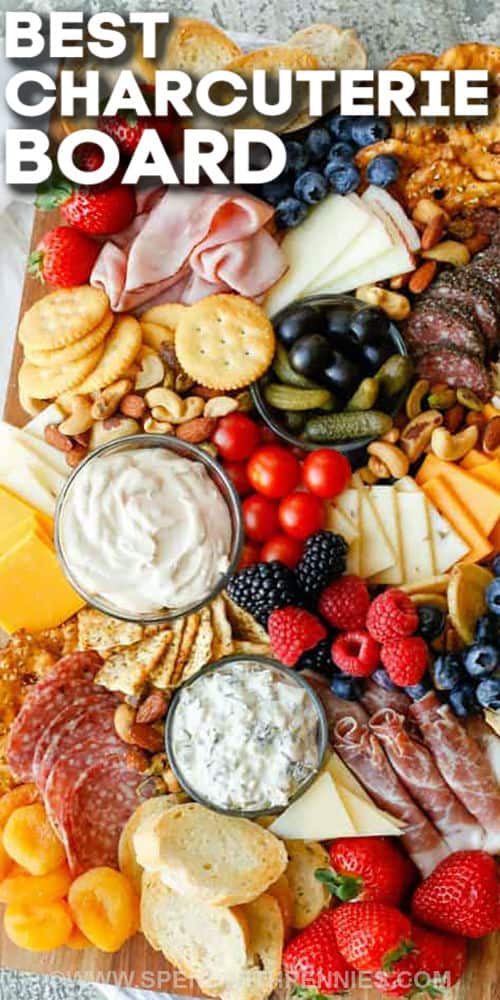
{"x": 137, "y": 965}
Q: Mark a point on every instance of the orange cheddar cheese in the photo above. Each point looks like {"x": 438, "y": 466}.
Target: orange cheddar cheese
{"x": 34, "y": 593}
{"x": 495, "y": 538}
{"x": 480, "y": 500}
{"x": 14, "y": 510}
{"x": 473, "y": 459}
{"x": 440, "y": 493}
{"x": 488, "y": 473}
{"x": 490, "y": 411}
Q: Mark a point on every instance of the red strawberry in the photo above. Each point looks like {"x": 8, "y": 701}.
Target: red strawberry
{"x": 372, "y": 936}
{"x": 63, "y": 258}
{"x": 434, "y": 967}
{"x": 127, "y": 128}
{"x": 461, "y": 895}
{"x": 313, "y": 961}
{"x": 97, "y": 212}
{"x": 369, "y": 868}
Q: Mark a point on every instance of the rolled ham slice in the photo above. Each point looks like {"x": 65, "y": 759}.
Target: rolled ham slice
{"x": 415, "y": 767}
{"x": 364, "y": 755}
{"x": 462, "y": 763}
{"x": 375, "y": 698}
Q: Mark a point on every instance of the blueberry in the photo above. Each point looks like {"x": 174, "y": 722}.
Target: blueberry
{"x": 447, "y": 672}
{"x": 431, "y": 621}
{"x": 418, "y": 691}
{"x": 318, "y": 143}
{"x": 296, "y": 155}
{"x": 341, "y": 152}
{"x": 487, "y": 629}
{"x": 493, "y": 596}
{"x": 365, "y": 131}
{"x": 341, "y": 127}
{"x": 381, "y": 677}
{"x": 495, "y": 566}
{"x": 345, "y": 687}
{"x": 383, "y": 170}
{"x": 343, "y": 179}
{"x": 296, "y": 322}
{"x": 481, "y": 659}
{"x": 274, "y": 191}
{"x": 290, "y": 213}
{"x": 369, "y": 323}
{"x": 488, "y": 693}
{"x": 310, "y": 187}
{"x": 463, "y": 700}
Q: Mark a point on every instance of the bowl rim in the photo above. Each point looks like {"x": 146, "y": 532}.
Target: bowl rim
{"x": 263, "y": 409}
{"x": 264, "y": 662}
{"x": 185, "y": 449}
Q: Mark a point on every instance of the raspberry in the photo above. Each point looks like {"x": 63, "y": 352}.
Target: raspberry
{"x": 292, "y": 631}
{"x": 345, "y": 602}
{"x": 391, "y": 615}
{"x": 356, "y": 653}
{"x": 405, "y": 659}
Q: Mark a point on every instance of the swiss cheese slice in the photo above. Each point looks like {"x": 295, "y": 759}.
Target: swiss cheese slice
{"x": 319, "y": 814}
{"x": 377, "y": 553}
{"x": 342, "y": 776}
{"x": 347, "y": 503}
{"x": 397, "y": 260}
{"x": 447, "y": 545}
{"x": 371, "y": 243}
{"x": 340, "y": 523}
{"x": 385, "y": 502}
{"x": 416, "y": 545}
{"x": 368, "y": 820}
{"x": 32, "y": 447}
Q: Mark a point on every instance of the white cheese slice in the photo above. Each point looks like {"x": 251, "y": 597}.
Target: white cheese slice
{"x": 314, "y": 245}
{"x": 319, "y": 814}
{"x": 493, "y": 719}
{"x": 347, "y": 503}
{"x": 339, "y": 522}
{"x": 21, "y": 480}
{"x": 367, "y": 818}
{"x": 385, "y": 503}
{"x": 52, "y": 414}
{"x": 33, "y": 447}
{"x": 396, "y": 260}
{"x": 372, "y": 242}
{"x": 447, "y": 545}
{"x": 344, "y": 778}
{"x": 415, "y": 536}
{"x": 385, "y": 206}
{"x": 377, "y": 554}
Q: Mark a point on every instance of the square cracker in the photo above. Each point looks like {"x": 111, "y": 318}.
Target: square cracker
{"x": 129, "y": 669}
{"x": 223, "y": 633}
{"x": 201, "y": 651}
{"x": 164, "y": 669}
{"x": 192, "y": 624}
{"x": 98, "y": 631}
{"x": 244, "y": 624}
{"x": 242, "y": 648}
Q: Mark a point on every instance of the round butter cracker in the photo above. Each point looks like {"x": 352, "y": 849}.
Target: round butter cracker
{"x": 120, "y": 349}
{"x": 224, "y": 342}
{"x": 63, "y": 317}
{"x": 80, "y": 349}
{"x": 47, "y": 383}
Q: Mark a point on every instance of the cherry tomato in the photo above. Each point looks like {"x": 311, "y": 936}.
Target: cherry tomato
{"x": 260, "y": 518}
{"x": 269, "y": 436}
{"x": 287, "y": 550}
{"x": 236, "y": 437}
{"x": 326, "y": 473}
{"x": 273, "y": 471}
{"x": 301, "y": 514}
{"x": 250, "y": 554}
{"x": 237, "y": 471}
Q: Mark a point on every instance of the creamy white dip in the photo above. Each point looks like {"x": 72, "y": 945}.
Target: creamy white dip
{"x": 145, "y": 530}
{"x": 243, "y": 738}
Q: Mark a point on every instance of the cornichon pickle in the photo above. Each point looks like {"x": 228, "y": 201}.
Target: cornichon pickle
{"x": 294, "y": 421}
{"x": 365, "y": 396}
{"x": 286, "y": 397}
{"x": 283, "y": 369}
{"x": 347, "y": 426}
{"x": 395, "y": 373}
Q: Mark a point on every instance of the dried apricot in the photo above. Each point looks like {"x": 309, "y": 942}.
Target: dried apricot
{"x": 77, "y": 941}
{"x": 23, "y": 795}
{"x": 39, "y": 926}
{"x": 30, "y": 840}
{"x": 5, "y": 862}
{"x": 105, "y": 907}
{"x": 25, "y": 888}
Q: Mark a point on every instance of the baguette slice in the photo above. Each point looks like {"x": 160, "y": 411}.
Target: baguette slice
{"x": 265, "y": 949}
{"x": 310, "y": 896}
{"x": 151, "y": 809}
{"x": 207, "y": 943}
{"x": 217, "y": 859}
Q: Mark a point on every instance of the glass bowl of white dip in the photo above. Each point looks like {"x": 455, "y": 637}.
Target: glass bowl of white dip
{"x": 246, "y": 736}
{"x": 148, "y": 528}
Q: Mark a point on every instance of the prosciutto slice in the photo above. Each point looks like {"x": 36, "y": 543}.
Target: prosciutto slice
{"x": 375, "y": 698}
{"x": 187, "y": 244}
{"x": 335, "y": 708}
{"x": 462, "y": 763}
{"x": 364, "y": 755}
{"x": 415, "y": 767}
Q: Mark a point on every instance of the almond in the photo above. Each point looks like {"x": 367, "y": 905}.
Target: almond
{"x": 203, "y": 392}
{"x": 133, "y": 405}
{"x": 147, "y": 737}
{"x": 422, "y": 277}
{"x": 57, "y": 439}
{"x": 432, "y": 232}
{"x": 76, "y": 455}
{"x": 454, "y": 418}
{"x": 136, "y": 760}
{"x": 478, "y": 242}
{"x": 491, "y": 437}
{"x": 153, "y": 708}
{"x": 399, "y": 281}
{"x": 197, "y": 430}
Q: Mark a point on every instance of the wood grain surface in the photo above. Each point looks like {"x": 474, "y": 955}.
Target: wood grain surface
{"x": 137, "y": 965}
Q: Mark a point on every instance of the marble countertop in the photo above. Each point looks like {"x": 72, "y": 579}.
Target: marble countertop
{"x": 387, "y": 28}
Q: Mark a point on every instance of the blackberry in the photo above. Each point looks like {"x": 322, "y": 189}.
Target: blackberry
{"x": 324, "y": 559}
{"x": 319, "y": 658}
{"x": 262, "y": 588}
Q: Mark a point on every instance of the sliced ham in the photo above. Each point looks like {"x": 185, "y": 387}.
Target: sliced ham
{"x": 363, "y": 753}
{"x": 202, "y": 241}
{"x": 415, "y": 767}
{"x": 462, "y": 763}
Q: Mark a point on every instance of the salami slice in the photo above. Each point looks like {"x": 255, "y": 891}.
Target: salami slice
{"x": 44, "y": 701}
{"x": 456, "y": 368}
{"x": 85, "y": 725}
{"x": 486, "y": 265}
{"x": 102, "y": 802}
{"x": 435, "y": 323}
{"x": 461, "y": 286}
{"x": 69, "y": 715}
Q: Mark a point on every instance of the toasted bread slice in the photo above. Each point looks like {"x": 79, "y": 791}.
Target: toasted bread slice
{"x": 222, "y": 860}
{"x": 150, "y": 808}
{"x": 207, "y": 943}
{"x": 334, "y": 48}
{"x": 194, "y": 46}
{"x": 265, "y": 950}
{"x": 281, "y": 892}
{"x": 309, "y": 896}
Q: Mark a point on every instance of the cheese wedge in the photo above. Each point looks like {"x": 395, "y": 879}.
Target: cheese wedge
{"x": 319, "y": 814}
{"x": 384, "y": 500}
{"x": 22, "y": 481}
{"x": 397, "y": 260}
{"x": 368, "y": 820}
{"x": 377, "y": 553}
{"x": 14, "y": 511}
{"x": 340, "y": 523}
{"x": 344, "y": 778}
{"x": 30, "y": 446}
{"x": 481, "y": 500}
{"x": 448, "y": 547}
{"x": 371, "y": 243}
{"x": 452, "y": 508}
{"x": 416, "y": 545}
{"x": 348, "y": 504}
{"x": 52, "y": 414}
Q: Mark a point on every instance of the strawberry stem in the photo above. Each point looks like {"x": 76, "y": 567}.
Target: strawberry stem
{"x": 344, "y": 887}
{"x": 311, "y": 993}
{"x": 35, "y": 264}
{"x": 392, "y": 957}
{"x": 53, "y": 194}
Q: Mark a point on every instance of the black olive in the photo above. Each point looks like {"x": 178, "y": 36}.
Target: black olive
{"x": 310, "y": 355}
{"x": 297, "y": 322}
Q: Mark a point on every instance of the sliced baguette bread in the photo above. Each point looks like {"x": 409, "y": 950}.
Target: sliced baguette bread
{"x": 207, "y": 943}
{"x": 281, "y": 892}
{"x": 334, "y": 48}
{"x": 217, "y": 859}
{"x": 265, "y": 949}
{"x": 309, "y": 896}
{"x": 151, "y": 809}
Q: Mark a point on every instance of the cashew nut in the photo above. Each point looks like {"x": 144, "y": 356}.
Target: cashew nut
{"x": 111, "y": 429}
{"x": 393, "y": 458}
{"x": 367, "y": 475}
{"x": 124, "y": 719}
{"x": 452, "y": 447}
{"x": 395, "y": 305}
{"x": 449, "y": 252}
{"x": 376, "y": 468}
{"x": 193, "y": 407}
{"x": 152, "y": 426}
{"x": 417, "y": 434}
{"x": 391, "y": 436}
{"x": 220, "y": 406}
{"x": 416, "y": 397}
{"x": 80, "y": 418}
{"x": 152, "y": 370}
{"x": 169, "y": 400}
{"x": 108, "y": 400}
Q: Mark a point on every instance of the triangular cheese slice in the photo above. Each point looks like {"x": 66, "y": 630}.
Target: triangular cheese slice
{"x": 319, "y": 814}
{"x": 368, "y": 820}
{"x": 376, "y": 552}
{"x": 342, "y": 776}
